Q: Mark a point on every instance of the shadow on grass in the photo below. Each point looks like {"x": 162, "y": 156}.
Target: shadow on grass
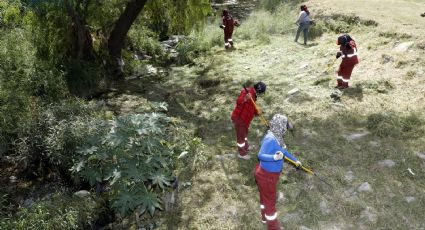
{"x": 354, "y": 92}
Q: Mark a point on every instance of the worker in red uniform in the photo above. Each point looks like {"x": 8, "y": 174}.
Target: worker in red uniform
{"x": 243, "y": 114}
{"x": 348, "y": 53}
{"x": 228, "y": 25}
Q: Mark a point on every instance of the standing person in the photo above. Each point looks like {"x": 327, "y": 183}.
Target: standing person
{"x": 348, "y": 53}
{"x": 228, "y": 26}
{"x": 243, "y": 114}
{"x": 267, "y": 172}
{"x": 303, "y": 23}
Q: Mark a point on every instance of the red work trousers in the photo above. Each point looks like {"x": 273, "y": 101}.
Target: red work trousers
{"x": 228, "y": 41}
{"x": 241, "y": 136}
{"x": 345, "y": 69}
{"x": 267, "y": 183}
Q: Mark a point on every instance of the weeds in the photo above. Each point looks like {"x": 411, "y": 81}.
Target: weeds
{"x": 390, "y": 125}
{"x": 340, "y": 23}
{"x": 394, "y": 35}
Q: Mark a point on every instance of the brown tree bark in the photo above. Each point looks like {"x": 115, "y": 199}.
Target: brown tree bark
{"x": 83, "y": 42}
{"x": 119, "y": 33}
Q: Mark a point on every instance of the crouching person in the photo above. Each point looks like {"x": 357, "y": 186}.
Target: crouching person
{"x": 267, "y": 172}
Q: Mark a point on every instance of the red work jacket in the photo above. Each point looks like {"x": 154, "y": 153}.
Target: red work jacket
{"x": 245, "y": 110}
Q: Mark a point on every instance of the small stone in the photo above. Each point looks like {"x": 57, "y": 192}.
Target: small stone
{"x": 82, "y": 193}
{"x": 337, "y": 105}
{"x": 304, "y": 66}
{"x": 386, "y": 163}
{"x": 421, "y": 155}
{"x": 13, "y": 179}
{"x": 349, "y": 176}
{"x": 374, "y": 143}
{"x": 280, "y": 196}
{"x": 293, "y": 91}
{"x": 403, "y": 47}
{"x": 386, "y": 58}
{"x": 365, "y": 187}
{"x": 324, "y": 207}
{"x": 410, "y": 199}
{"x": 356, "y": 136}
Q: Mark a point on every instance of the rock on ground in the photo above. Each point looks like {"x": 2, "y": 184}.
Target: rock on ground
{"x": 324, "y": 207}
{"x": 421, "y": 155}
{"x": 365, "y": 187}
{"x": 386, "y": 163}
{"x": 403, "y": 47}
{"x": 349, "y": 176}
{"x": 82, "y": 193}
{"x": 409, "y": 199}
{"x": 356, "y": 136}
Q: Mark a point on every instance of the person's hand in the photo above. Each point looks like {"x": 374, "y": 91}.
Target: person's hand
{"x": 278, "y": 156}
{"x": 298, "y": 165}
{"x": 338, "y": 54}
{"x": 248, "y": 97}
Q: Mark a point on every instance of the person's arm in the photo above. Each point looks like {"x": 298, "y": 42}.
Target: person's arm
{"x": 288, "y": 155}
{"x": 299, "y": 18}
{"x": 266, "y": 157}
{"x": 268, "y": 146}
{"x": 242, "y": 98}
{"x": 223, "y": 23}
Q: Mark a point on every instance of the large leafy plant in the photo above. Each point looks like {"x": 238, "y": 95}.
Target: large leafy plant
{"x": 133, "y": 157}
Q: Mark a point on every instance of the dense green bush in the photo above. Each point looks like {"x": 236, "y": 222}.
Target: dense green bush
{"x": 50, "y": 138}
{"x": 316, "y": 30}
{"x": 134, "y": 155}
{"x": 143, "y": 40}
{"x": 59, "y": 211}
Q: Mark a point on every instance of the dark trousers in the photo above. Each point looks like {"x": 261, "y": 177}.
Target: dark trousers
{"x": 304, "y": 28}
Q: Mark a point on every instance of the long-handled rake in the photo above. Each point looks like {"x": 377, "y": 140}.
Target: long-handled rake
{"x": 309, "y": 171}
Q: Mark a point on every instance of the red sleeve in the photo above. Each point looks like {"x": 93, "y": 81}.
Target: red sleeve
{"x": 254, "y": 97}
{"x": 241, "y": 98}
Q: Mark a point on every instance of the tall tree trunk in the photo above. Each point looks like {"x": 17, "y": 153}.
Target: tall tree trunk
{"x": 119, "y": 33}
{"x": 83, "y": 42}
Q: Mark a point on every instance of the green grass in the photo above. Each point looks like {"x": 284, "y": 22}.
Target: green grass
{"x": 384, "y": 102}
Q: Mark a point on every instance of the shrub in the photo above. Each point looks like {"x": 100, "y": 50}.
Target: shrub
{"x": 49, "y": 139}
{"x": 142, "y": 41}
{"x": 190, "y": 48}
{"x": 317, "y": 30}
{"x": 24, "y": 81}
{"x": 60, "y": 211}
{"x": 134, "y": 156}
{"x": 390, "y": 125}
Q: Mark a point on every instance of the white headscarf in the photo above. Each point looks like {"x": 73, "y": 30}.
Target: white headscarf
{"x": 278, "y": 126}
